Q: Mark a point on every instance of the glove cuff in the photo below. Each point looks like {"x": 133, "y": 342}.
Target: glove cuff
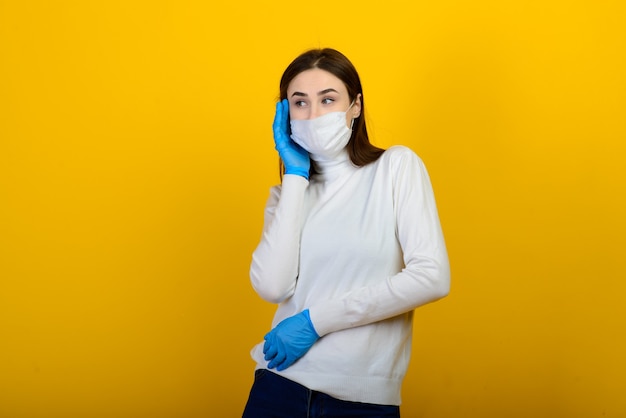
{"x": 298, "y": 172}
{"x": 308, "y": 317}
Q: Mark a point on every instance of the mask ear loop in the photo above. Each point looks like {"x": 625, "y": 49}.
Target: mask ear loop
{"x": 352, "y": 120}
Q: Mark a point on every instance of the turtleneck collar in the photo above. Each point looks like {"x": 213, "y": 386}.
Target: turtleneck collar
{"x": 329, "y": 169}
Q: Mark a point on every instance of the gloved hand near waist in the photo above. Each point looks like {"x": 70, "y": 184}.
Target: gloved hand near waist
{"x": 289, "y": 341}
{"x": 295, "y": 158}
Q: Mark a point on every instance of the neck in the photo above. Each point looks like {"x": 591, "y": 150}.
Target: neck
{"x": 329, "y": 169}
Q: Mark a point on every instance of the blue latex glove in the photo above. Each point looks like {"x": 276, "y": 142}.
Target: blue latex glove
{"x": 289, "y": 341}
{"x": 295, "y": 158}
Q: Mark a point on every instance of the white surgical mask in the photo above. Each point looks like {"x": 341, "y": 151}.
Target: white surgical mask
{"x": 325, "y": 136}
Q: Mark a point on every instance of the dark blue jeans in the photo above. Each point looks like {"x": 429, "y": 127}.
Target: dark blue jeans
{"x": 273, "y": 396}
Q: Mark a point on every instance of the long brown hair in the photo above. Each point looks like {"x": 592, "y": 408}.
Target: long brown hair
{"x": 360, "y": 150}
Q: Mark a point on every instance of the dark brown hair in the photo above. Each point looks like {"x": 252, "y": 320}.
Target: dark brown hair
{"x": 360, "y": 150}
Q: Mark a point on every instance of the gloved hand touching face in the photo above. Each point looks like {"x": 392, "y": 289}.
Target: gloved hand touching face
{"x": 295, "y": 158}
{"x": 289, "y": 341}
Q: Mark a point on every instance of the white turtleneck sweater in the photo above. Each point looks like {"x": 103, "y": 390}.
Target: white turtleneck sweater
{"x": 360, "y": 247}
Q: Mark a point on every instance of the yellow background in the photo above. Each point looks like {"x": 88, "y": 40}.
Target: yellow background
{"x": 136, "y": 156}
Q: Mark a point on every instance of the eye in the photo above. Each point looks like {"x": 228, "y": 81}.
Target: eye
{"x": 327, "y": 100}
{"x": 299, "y": 103}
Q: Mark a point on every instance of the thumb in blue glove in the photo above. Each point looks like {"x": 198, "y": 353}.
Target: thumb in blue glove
{"x": 289, "y": 341}
{"x": 295, "y": 158}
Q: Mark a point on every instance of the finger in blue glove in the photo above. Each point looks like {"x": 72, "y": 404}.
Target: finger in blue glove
{"x": 289, "y": 341}
{"x": 295, "y": 158}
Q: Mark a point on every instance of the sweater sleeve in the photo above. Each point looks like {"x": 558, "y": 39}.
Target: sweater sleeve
{"x": 426, "y": 275}
{"x": 275, "y": 261}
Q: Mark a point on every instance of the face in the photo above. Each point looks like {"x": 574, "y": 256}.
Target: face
{"x": 315, "y": 92}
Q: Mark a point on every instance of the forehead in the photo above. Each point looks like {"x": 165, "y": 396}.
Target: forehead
{"x": 315, "y": 80}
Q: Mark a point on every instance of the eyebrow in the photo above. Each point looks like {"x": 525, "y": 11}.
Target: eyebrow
{"x": 321, "y": 93}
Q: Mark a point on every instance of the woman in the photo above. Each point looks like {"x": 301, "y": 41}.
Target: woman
{"x": 351, "y": 245}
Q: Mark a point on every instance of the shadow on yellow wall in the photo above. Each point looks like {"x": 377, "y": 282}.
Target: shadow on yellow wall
{"x": 136, "y": 156}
